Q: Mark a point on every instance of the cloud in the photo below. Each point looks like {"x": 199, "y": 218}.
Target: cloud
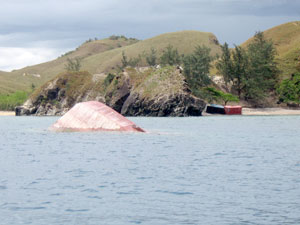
{"x": 58, "y": 25}
{"x": 16, "y": 58}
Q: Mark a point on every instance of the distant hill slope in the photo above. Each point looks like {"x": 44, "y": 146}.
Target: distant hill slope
{"x": 104, "y": 55}
{"x": 286, "y": 39}
{"x": 22, "y": 79}
{"x": 184, "y": 41}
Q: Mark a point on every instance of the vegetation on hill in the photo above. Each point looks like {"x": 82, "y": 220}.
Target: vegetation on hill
{"x": 196, "y": 69}
{"x": 39, "y": 74}
{"x": 220, "y": 96}
{"x": 134, "y": 91}
{"x": 252, "y": 72}
{"x": 8, "y": 102}
{"x": 104, "y": 56}
{"x": 286, "y": 40}
{"x": 289, "y": 90}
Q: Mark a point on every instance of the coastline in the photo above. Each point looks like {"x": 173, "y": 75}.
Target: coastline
{"x": 245, "y": 112}
{"x": 263, "y": 112}
{"x": 7, "y": 113}
{"x": 269, "y": 111}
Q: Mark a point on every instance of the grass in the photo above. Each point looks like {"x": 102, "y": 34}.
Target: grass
{"x": 184, "y": 41}
{"x": 164, "y": 81}
{"x": 24, "y": 78}
{"x": 104, "y": 56}
{"x": 286, "y": 39}
{"x": 8, "y": 102}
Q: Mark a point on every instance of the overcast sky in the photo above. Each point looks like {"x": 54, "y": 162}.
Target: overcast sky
{"x": 35, "y": 31}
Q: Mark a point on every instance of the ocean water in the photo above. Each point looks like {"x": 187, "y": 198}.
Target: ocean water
{"x": 203, "y": 170}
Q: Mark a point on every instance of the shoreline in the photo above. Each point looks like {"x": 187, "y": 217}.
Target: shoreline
{"x": 7, "y": 113}
{"x": 269, "y": 111}
{"x": 262, "y": 112}
{"x": 245, "y": 112}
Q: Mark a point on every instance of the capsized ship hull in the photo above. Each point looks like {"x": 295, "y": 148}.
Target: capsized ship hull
{"x": 93, "y": 116}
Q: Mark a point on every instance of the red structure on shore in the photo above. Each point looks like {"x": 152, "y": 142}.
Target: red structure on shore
{"x": 227, "y": 110}
{"x": 233, "y": 110}
{"x": 93, "y": 116}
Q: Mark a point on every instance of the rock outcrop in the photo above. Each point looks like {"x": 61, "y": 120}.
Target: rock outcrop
{"x": 173, "y": 105}
{"x": 133, "y": 92}
{"x": 59, "y": 95}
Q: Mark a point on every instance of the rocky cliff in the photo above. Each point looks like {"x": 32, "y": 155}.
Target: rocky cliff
{"x": 132, "y": 92}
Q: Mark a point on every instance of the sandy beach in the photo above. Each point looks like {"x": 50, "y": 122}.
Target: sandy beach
{"x": 7, "y": 113}
{"x": 263, "y": 112}
{"x": 269, "y": 111}
{"x": 245, "y": 112}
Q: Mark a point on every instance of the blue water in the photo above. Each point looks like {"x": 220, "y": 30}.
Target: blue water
{"x": 206, "y": 170}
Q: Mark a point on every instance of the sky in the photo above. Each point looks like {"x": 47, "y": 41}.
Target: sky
{"x": 35, "y": 31}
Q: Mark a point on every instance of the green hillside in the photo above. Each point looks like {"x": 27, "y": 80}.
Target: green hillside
{"x": 39, "y": 74}
{"x": 184, "y": 41}
{"x": 104, "y": 55}
{"x": 286, "y": 39}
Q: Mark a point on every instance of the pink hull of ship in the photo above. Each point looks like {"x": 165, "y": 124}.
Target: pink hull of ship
{"x": 93, "y": 116}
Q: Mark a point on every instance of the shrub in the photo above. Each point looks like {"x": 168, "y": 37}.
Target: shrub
{"x": 289, "y": 90}
{"x": 151, "y": 58}
{"x": 9, "y": 102}
{"x": 108, "y": 79}
{"x": 73, "y": 65}
{"x": 170, "y": 56}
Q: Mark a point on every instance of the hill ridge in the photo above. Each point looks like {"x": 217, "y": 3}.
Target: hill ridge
{"x": 286, "y": 39}
{"x": 108, "y": 57}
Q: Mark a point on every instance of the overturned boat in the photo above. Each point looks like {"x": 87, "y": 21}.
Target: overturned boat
{"x": 93, "y": 116}
{"x": 215, "y": 109}
{"x": 227, "y": 110}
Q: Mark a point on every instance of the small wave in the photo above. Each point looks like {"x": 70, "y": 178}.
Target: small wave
{"x": 144, "y": 178}
{"x": 175, "y": 192}
{"x": 26, "y": 208}
{"x": 94, "y": 197}
{"x": 90, "y": 190}
{"x": 128, "y": 193}
{"x": 77, "y": 210}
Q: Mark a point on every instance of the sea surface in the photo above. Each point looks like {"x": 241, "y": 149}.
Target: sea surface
{"x": 197, "y": 170}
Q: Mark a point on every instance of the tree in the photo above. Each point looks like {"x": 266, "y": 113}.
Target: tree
{"x": 151, "y": 58}
{"x": 73, "y": 65}
{"x": 263, "y": 73}
{"x": 253, "y": 72}
{"x": 124, "y": 60}
{"x": 133, "y": 62}
{"x": 220, "y": 95}
{"x": 196, "y": 67}
{"x": 239, "y": 69}
{"x": 108, "y": 79}
{"x": 32, "y": 87}
{"x": 130, "y": 62}
{"x": 289, "y": 90}
{"x": 170, "y": 56}
{"x": 225, "y": 64}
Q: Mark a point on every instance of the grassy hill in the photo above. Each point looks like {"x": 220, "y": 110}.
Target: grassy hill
{"x": 39, "y": 74}
{"x": 286, "y": 39}
{"x": 103, "y": 56}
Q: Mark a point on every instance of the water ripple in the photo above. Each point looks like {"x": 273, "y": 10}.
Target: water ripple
{"x": 190, "y": 171}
